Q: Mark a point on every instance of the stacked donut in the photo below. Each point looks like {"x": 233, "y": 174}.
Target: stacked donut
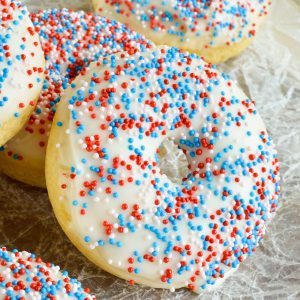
{"x": 215, "y": 29}
{"x": 108, "y": 99}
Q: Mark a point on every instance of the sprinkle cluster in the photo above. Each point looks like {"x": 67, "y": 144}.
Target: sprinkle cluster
{"x": 26, "y": 276}
{"x": 122, "y": 207}
{"x": 18, "y": 48}
{"x": 221, "y": 22}
{"x": 70, "y": 40}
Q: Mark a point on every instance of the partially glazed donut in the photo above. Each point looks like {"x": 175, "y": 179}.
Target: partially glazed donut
{"x": 24, "y": 276}
{"x": 110, "y": 196}
{"x": 70, "y": 40}
{"x": 21, "y": 68}
{"x": 215, "y": 29}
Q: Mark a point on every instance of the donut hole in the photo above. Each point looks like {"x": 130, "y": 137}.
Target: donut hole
{"x": 172, "y": 161}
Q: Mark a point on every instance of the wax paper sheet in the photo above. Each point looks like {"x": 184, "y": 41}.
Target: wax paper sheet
{"x": 269, "y": 72}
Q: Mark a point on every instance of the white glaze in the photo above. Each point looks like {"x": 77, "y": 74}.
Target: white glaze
{"x": 87, "y": 230}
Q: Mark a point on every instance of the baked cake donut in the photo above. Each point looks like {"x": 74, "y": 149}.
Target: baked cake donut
{"x": 25, "y": 276}
{"x": 21, "y": 68}
{"x": 70, "y": 40}
{"x": 214, "y": 29}
{"x": 116, "y": 205}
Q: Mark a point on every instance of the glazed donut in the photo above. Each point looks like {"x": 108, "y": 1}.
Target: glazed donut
{"x": 215, "y": 29}
{"x": 70, "y": 40}
{"x": 116, "y": 205}
{"x": 21, "y": 68}
{"x": 25, "y": 276}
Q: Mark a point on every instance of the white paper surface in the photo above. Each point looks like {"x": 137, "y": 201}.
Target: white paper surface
{"x": 269, "y": 72}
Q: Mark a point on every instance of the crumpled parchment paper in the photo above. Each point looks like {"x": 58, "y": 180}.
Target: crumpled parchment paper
{"x": 269, "y": 72}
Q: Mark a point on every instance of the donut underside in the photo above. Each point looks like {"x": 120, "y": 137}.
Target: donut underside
{"x": 28, "y": 171}
{"x": 215, "y": 55}
{"x": 11, "y": 127}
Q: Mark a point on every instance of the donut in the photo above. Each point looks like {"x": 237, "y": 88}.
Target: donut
{"x": 70, "y": 40}
{"x": 120, "y": 209}
{"x": 25, "y": 276}
{"x": 21, "y": 68}
{"x": 214, "y": 29}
